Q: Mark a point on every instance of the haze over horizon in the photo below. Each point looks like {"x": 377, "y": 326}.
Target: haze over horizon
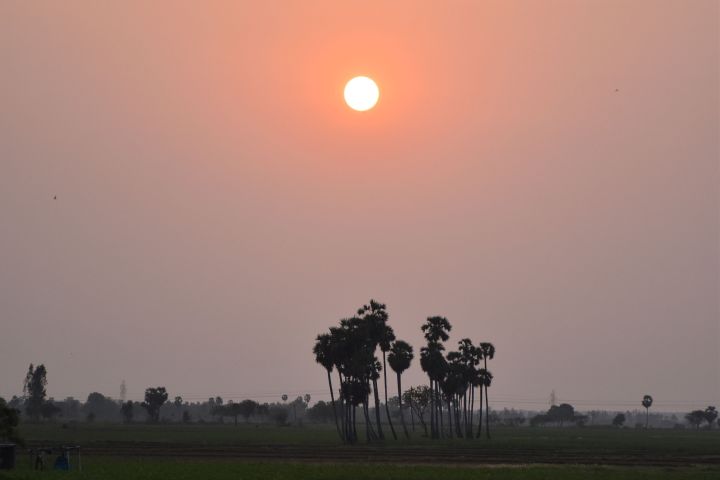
{"x": 545, "y": 175}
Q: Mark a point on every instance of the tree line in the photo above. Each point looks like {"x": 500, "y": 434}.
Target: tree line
{"x": 36, "y": 406}
{"x": 351, "y": 350}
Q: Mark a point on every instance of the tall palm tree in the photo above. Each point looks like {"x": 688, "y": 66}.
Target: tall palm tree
{"x": 374, "y": 376}
{"x": 487, "y": 378}
{"x": 488, "y": 352}
{"x": 469, "y": 359}
{"x": 426, "y": 365}
{"x": 323, "y": 356}
{"x": 382, "y": 335}
{"x": 388, "y": 336}
{"x": 400, "y": 357}
{"x": 436, "y": 330}
{"x": 647, "y": 402}
{"x": 481, "y": 379}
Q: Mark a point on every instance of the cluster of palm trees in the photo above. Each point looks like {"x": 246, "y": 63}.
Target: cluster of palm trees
{"x": 453, "y": 380}
{"x": 351, "y": 350}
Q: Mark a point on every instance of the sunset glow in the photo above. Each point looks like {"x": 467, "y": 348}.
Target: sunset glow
{"x": 218, "y": 241}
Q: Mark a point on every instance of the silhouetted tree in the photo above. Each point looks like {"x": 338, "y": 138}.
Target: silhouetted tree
{"x": 432, "y": 361}
{"x": 323, "y": 351}
{"x": 353, "y": 344}
{"x": 711, "y": 414}
{"x": 248, "y": 408}
{"x": 696, "y": 417}
{"x": 278, "y": 414}
{"x": 400, "y": 357}
{"x": 484, "y": 379}
{"x": 322, "y": 412}
{"x": 233, "y": 410}
{"x": 619, "y": 420}
{"x": 419, "y": 399}
{"x": 647, "y": 402}
{"x": 295, "y": 403}
{"x": 154, "y": 399}
{"x": 123, "y": 391}
{"x": 34, "y": 390}
{"x": 101, "y": 406}
{"x": 488, "y": 353}
{"x": 350, "y": 349}
{"x": 48, "y": 410}
{"x": 9, "y": 419}
{"x": 126, "y": 409}
{"x": 382, "y": 335}
{"x": 561, "y": 413}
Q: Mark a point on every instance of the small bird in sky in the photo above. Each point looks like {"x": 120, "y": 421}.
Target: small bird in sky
{"x": 55, "y": 197}
{"x": 617, "y": 89}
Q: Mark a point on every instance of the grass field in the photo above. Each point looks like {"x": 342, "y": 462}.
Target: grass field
{"x": 246, "y": 452}
{"x": 598, "y": 439}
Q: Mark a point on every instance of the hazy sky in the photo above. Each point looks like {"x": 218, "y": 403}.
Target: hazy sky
{"x": 544, "y": 174}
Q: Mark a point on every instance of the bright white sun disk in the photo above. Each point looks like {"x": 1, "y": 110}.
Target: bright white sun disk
{"x": 361, "y": 93}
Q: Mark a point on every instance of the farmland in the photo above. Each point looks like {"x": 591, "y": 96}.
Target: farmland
{"x": 314, "y": 451}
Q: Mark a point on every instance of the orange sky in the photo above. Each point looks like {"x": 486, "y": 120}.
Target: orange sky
{"x": 219, "y": 204}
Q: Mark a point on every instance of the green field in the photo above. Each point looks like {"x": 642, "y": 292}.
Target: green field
{"x": 215, "y": 451}
{"x": 598, "y": 439}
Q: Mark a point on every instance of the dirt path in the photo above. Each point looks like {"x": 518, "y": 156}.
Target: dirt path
{"x": 401, "y": 455}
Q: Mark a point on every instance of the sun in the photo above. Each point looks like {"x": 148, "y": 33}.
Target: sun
{"x": 361, "y": 93}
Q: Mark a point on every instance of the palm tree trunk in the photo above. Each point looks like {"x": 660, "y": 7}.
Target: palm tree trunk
{"x": 421, "y": 419}
{"x": 412, "y": 415}
{"x": 487, "y": 405}
{"x": 647, "y": 417}
{"x": 465, "y": 415}
{"x": 441, "y": 428}
{"x": 387, "y": 408}
{"x": 450, "y": 422}
{"x": 368, "y": 424}
{"x": 354, "y": 424}
{"x": 432, "y": 409}
{"x": 487, "y": 414}
{"x": 377, "y": 409}
{"x": 472, "y": 407}
{"x": 332, "y": 401}
{"x": 402, "y": 417}
{"x": 479, "y": 432}
{"x": 343, "y": 409}
{"x": 461, "y": 418}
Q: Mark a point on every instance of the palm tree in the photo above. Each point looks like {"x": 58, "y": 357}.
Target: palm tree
{"x": 436, "y": 329}
{"x": 487, "y": 381}
{"x": 400, "y": 357}
{"x": 481, "y": 379}
{"x": 647, "y": 402}
{"x": 469, "y": 359}
{"x": 323, "y": 356}
{"x": 388, "y": 336}
{"x": 432, "y": 361}
{"x": 488, "y": 352}
{"x": 382, "y": 335}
